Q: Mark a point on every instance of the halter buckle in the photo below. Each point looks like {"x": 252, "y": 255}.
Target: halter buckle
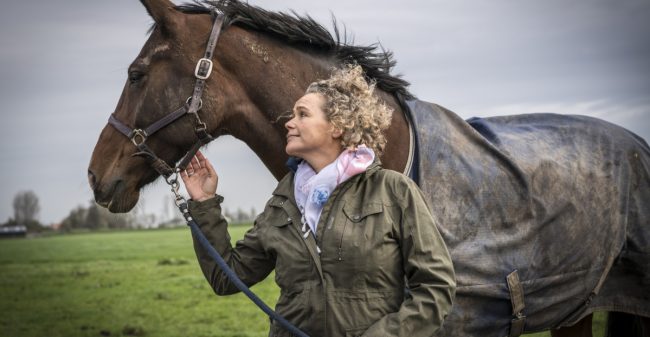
{"x": 138, "y": 137}
{"x": 200, "y": 65}
{"x": 188, "y": 102}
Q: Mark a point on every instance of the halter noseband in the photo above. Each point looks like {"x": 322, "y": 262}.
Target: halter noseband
{"x": 193, "y": 104}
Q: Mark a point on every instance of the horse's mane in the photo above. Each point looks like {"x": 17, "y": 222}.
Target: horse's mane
{"x": 304, "y": 32}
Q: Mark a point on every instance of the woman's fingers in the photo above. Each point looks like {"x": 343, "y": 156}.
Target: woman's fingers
{"x": 210, "y": 168}
{"x": 204, "y": 162}
{"x": 200, "y": 178}
{"x": 201, "y": 162}
{"x": 200, "y": 158}
{"x": 193, "y": 167}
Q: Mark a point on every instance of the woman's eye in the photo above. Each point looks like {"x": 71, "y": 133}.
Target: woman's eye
{"x": 135, "y": 76}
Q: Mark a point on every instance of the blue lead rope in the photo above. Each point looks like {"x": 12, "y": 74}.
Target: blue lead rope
{"x": 232, "y": 276}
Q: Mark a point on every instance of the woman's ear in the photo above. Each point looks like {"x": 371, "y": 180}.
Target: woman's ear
{"x": 337, "y": 133}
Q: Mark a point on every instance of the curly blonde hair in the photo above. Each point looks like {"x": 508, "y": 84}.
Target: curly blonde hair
{"x": 351, "y": 107}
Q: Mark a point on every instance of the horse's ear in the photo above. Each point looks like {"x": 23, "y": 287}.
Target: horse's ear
{"x": 163, "y": 13}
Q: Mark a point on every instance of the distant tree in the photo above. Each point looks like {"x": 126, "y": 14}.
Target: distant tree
{"x": 253, "y": 214}
{"x": 26, "y": 208}
{"x": 146, "y": 220}
{"x": 117, "y": 221}
{"x": 168, "y": 209}
{"x": 76, "y": 219}
{"x": 241, "y": 216}
{"x": 95, "y": 218}
{"x": 170, "y": 216}
{"x": 226, "y": 212}
{"x": 142, "y": 219}
{"x": 8, "y": 223}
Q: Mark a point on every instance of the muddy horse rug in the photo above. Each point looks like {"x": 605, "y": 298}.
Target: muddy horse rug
{"x": 546, "y": 217}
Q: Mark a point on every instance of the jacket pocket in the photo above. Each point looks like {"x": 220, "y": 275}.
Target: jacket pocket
{"x": 358, "y": 214}
{"x": 360, "y": 223}
{"x": 367, "y": 243}
{"x": 294, "y": 307}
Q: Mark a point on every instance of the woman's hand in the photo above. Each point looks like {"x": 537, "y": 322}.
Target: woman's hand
{"x": 200, "y": 178}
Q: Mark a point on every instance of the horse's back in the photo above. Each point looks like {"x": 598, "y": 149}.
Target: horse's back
{"x": 558, "y": 136}
{"x": 554, "y": 197}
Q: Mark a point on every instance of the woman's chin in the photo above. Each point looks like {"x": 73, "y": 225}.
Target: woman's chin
{"x": 291, "y": 151}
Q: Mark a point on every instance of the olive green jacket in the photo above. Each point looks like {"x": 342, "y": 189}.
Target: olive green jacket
{"x": 383, "y": 268}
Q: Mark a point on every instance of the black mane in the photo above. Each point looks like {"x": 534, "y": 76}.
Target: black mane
{"x": 303, "y": 31}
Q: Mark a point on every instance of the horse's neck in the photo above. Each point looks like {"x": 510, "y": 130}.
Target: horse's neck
{"x": 269, "y": 77}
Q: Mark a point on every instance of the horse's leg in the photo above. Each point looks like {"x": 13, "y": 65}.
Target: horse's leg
{"x": 580, "y": 329}
{"x": 628, "y": 325}
{"x": 645, "y": 326}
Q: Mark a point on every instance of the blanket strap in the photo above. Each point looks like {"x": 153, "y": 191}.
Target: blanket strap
{"x": 517, "y": 300}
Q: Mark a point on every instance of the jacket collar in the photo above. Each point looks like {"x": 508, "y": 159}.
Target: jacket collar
{"x": 285, "y": 186}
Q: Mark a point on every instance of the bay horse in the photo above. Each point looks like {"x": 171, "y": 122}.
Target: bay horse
{"x": 263, "y": 63}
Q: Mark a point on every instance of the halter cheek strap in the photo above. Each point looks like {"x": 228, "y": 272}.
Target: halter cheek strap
{"x": 192, "y": 105}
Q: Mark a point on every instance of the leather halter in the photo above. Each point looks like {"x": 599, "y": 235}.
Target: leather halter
{"x": 138, "y": 136}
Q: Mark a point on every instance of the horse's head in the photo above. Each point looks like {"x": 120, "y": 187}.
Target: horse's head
{"x": 160, "y": 80}
{"x": 261, "y": 66}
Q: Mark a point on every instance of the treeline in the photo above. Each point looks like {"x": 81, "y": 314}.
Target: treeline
{"x": 94, "y": 217}
{"x": 239, "y": 216}
{"x": 26, "y": 209}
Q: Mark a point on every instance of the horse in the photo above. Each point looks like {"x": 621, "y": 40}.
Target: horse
{"x": 508, "y": 221}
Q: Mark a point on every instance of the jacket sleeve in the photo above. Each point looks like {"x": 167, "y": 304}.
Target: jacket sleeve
{"x": 248, "y": 259}
{"x": 428, "y": 271}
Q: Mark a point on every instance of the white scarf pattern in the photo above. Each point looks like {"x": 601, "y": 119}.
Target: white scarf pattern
{"x": 312, "y": 189}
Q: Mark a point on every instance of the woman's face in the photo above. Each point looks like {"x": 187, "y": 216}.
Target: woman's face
{"x": 309, "y": 132}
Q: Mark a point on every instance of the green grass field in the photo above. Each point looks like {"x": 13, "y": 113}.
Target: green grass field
{"x": 130, "y": 283}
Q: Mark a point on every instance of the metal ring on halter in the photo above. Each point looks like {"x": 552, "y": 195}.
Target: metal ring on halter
{"x": 189, "y": 99}
{"x": 173, "y": 178}
{"x": 139, "y": 137}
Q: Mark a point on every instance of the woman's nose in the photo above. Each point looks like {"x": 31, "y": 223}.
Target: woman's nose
{"x": 289, "y": 124}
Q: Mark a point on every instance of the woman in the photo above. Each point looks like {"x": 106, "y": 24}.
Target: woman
{"x": 345, "y": 237}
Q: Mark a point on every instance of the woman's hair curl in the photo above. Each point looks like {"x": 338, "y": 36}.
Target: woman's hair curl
{"x": 352, "y": 108}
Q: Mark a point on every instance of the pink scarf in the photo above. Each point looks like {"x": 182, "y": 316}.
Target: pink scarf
{"x": 312, "y": 190}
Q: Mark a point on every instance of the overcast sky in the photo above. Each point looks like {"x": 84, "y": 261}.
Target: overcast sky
{"x": 63, "y": 65}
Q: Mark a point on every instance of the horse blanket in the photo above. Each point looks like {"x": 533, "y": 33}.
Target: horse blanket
{"x": 562, "y": 200}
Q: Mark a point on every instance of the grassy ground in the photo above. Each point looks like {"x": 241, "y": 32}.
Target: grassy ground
{"x": 131, "y": 283}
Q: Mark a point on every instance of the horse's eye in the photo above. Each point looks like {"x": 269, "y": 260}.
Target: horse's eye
{"x": 135, "y": 76}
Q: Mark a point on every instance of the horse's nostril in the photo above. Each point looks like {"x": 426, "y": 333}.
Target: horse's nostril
{"x": 92, "y": 180}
